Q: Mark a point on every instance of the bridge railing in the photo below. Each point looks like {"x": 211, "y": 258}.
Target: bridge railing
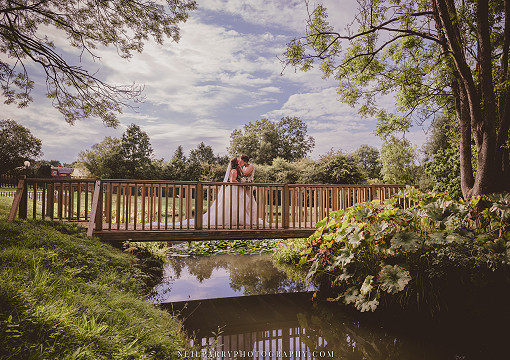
{"x": 158, "y": 205}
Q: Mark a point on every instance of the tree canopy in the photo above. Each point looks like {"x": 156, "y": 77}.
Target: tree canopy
{"x": 104, "y": 159}
{"x": 338, "y": 168}
{"x": 397, "y": 158}
{"x": 29, "y": 28}
{"x": 432, "y": 55}
{"x": 368, "y": 157}
{"x": 264, "y": 140}
{"x": 17, "y": 144}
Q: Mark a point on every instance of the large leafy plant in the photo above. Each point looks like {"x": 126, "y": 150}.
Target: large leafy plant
{"x": 415, "y": 249}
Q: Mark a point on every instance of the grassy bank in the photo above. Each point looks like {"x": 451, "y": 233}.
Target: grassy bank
{"x": 65, "y": 296}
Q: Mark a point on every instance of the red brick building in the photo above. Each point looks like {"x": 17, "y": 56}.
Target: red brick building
{"x": 61, "y": 172}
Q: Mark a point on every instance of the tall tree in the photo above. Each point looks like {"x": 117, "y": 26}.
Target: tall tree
{"x": 368, "y": 157}
{"x": 433, "y": 54}
{"x": 265, "y": 140}
{"x": 176, "y": 169}
{"x": 136, "y": 151}
{"x": 202, "y": 153}
{"x": 104, "y": 159}
{"x": 29, "y": 28}
{"x": 398, "y": 161}
{"x": 17, "y": 144}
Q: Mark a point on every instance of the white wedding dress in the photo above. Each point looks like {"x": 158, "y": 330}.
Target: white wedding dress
{"x": 233, "y": 206}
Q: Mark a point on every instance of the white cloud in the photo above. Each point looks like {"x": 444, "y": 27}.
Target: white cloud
{"x": 220, "y": 75}
{"x": 319, "y": 109}
{"x": 340, "y": 139}
{"x": 288, "y": 14}
{"x": 60, "y": 140}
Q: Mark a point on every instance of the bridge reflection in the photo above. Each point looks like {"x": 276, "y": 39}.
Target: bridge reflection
{"x": 292, "y": 326}
{"x": 261, "y": 326}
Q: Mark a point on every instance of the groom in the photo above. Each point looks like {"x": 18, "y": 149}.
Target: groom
{"x": 247, "y": 168}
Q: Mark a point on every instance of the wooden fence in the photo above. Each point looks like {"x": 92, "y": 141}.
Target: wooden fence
{"x": 121, "y": 209}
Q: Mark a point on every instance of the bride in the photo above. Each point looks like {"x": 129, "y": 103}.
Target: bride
{"x": 234, "y": 205}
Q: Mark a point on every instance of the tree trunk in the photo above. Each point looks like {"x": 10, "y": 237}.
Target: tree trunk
{"x": 475, "y": 105}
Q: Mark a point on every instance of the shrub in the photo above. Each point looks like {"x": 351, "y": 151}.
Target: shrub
{"x": 430, "y": 254}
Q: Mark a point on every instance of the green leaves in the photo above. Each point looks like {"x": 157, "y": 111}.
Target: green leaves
{"x": 407, "y": 241}
{"x": 393, "y": 279}
{"x": 370, "y": 251}
{"x": 87, "y": 26}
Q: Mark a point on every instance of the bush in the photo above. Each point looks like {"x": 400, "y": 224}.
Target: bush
{"x": 435, "y": 253}
{"x": 288, "y": 251}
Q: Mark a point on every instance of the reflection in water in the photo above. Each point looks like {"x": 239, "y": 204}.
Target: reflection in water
{"x": 291, "y": 326}
{"x": 270, "y": 324}
{"x": 193, "y": 278}
{"x": 262, "y": 326}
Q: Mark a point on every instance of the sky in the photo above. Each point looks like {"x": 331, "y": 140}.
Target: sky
{"x": 223, "y": 73}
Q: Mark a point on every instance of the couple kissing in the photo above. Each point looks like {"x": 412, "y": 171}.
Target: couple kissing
{"x": 241, "y": 170}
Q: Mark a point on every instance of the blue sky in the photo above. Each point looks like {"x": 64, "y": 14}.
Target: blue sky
{"x": 222, "y": 74}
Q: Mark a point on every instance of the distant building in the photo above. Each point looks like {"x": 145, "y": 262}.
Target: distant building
{"x": 61, "y": 172}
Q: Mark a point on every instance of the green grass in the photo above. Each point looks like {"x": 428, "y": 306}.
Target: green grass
{"x": 65, "y": 296}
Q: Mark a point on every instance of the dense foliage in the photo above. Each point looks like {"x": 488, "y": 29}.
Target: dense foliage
{"x": 398, "y": 161}
{"x": 369, "y": 159}
{"x": 337, "y": 169}
{"x": 265, "y": 140}
{"x": 198, "y": 248}
{"x": 427, "y": 255}
{"x": 109, "y": 159}
{"x": 444, "y": 168}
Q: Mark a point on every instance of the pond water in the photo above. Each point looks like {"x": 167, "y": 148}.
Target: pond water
{"x": 210, "y": 277}
{"x": 241, "y": 306}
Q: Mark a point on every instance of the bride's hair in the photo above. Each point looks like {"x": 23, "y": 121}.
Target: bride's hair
{"x": 234, "y": 164}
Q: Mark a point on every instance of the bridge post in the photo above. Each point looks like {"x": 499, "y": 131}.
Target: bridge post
{"x": 23, "y": 205}
{"x": 199, "y": 206}
{"x": 99, "y": 212}
{"x": 373, "y": 194}
{"x": 285, "y": 206}
{"x": 96, "y": 211}
{"x": 16, "y": 202}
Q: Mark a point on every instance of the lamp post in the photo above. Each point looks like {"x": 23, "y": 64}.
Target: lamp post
{"x": 27, "y": 165}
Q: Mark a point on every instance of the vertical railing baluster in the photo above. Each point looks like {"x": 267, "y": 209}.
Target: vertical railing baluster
{"x": 149, "y": 205}
{"x": 34, "y": 202}
{"x": 285, "y": 206}
{"x": 43, "y": 200}
{"x": 180, "y": 206}
{"x": 271, "y": 208}
{"x": 174, "y": 192}
{"x": 166, "y": 206}
{"x": 199, "y": 205}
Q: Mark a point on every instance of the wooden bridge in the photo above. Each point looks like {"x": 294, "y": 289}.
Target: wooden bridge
{"x": 154, "y": 210}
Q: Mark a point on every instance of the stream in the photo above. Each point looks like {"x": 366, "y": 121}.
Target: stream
{"x": 242, "y": 306}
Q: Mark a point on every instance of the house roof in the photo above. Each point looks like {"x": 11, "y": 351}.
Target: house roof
{"x": 63, "y": 170}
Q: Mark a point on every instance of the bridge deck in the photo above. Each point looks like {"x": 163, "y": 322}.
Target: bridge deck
{"x": 191, "y": 234}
